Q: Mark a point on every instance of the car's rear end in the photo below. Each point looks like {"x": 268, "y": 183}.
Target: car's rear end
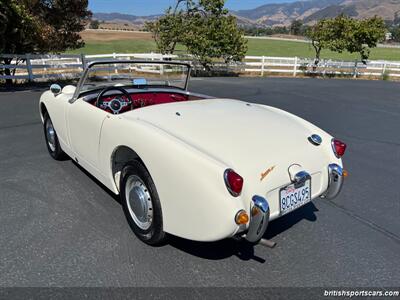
{"x": 288, "y": 183}
{"x": 297, "y": 163}
{"x": 274, "y": 163}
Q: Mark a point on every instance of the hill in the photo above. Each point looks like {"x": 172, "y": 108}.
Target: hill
{"x": 310, "y": 11}
{"x": 283, "y": 14}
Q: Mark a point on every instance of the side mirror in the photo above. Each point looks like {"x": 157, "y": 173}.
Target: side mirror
{"x": 55, "y": 89}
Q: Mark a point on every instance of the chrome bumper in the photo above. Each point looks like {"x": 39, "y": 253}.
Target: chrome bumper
{"x": 259, "y": 218}
{"x": 335, "y": 183}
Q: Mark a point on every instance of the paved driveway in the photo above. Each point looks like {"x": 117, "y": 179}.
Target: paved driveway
{"x": 60, "y": 227}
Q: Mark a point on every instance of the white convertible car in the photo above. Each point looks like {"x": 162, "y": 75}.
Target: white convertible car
{"x": 191, "y": 165}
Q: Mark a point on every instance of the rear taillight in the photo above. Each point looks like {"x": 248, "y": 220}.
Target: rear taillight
{"x": 339, "y": 148}
{"x": 234, "y": 182}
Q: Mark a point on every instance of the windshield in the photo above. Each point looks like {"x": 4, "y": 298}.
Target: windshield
{"x": 135, "y": 74}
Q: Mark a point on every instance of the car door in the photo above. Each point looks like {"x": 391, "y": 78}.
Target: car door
{"x": 84, "y": 122}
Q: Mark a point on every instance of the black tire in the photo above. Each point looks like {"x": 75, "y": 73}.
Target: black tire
{"x": 154, "y": 234}
{"x": 53, "y": 146}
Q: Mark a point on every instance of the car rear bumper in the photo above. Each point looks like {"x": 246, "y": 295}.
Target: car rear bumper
{"x": 259, "y": 219}
{"x": 260, "y": 209}
{"x": 336, "y": 179}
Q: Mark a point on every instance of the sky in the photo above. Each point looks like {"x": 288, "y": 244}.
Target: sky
{"x": 153, "y": 7}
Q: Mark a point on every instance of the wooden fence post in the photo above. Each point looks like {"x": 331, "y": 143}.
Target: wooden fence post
{"x": 295, "y": 67}
{"x": 355, "y": 69}
{"x": 115, "y": 65}
{"x": 161, "y": 69}
{"x": 262, "y": 66}
{"x": 29, "y": 67}
{"x": 83, "y": 60}
{"x": 384, "y": 70}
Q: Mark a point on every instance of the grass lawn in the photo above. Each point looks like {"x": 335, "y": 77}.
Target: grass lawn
{"x": 119, "y": 46}
{"x": 257, "y": 47}
{"x": 260, "y": 47}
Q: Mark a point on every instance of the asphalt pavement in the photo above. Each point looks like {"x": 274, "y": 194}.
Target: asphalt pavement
{"x": 60, "y": 227}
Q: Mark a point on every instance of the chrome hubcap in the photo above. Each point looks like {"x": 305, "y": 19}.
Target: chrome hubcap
{"x": 50, "y": 135}
{"x": 139, "y": 202}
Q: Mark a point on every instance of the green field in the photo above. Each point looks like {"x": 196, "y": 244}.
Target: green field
{"x": 257, "y": 47}
{"x": 119, "y": 46}
{"x": 290, "y": 49}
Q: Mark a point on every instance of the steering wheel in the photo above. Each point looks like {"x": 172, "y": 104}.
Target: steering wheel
{"x": 117, "y": 103}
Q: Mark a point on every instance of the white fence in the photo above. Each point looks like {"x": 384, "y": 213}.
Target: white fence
{"x": 304, "y": 66}
{"x": 44, "y": 67}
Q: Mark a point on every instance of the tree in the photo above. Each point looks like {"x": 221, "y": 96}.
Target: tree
{"x": 204, "y": 27}
{"x": 168, "y": 30}
{"x": 94, "y": 24}
{"x": 214, "y": 34}
{"x": 326, "y": 34}
{"x": 396, "y": 33}
{"x": 63, "y": 20}
{"x": 346, "y": 34}
{"x": 19, "y": 32}
{"x": 364, "y": 35}
{"x": 39, "y": 26}
{"x": 296, "y": 27}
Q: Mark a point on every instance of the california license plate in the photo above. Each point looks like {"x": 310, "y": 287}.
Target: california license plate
{"x": 293, "y": 196}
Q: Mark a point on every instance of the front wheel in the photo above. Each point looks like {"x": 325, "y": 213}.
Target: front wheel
{"x": 52, "y": 143}
{"x": 141, "y": 204}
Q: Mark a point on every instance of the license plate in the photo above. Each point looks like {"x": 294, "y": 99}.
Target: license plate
{"x": 292, "y": 197}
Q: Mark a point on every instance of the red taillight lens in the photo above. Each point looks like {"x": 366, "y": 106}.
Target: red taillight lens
{"x": 339, "y": 148}
{"x": 234, "y": 182}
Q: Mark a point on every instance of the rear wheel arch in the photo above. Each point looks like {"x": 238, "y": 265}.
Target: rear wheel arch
{"x": 120, "y": 157}
{"x": 126, "y": 164}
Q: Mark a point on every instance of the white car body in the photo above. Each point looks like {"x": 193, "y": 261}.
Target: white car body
{"x": 187, "y": 146}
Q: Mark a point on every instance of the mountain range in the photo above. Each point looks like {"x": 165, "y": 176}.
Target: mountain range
{"x": 282, "y": 14}
{"x": 124, "y": 18}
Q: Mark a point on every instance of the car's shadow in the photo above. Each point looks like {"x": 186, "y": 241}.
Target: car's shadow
{"x": 105, "y": 189}
{"x": 230, "y": 247}
{"x": 242, "y": 249}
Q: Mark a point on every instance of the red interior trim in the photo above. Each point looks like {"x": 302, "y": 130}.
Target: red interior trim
{"x": 147, "y": 99}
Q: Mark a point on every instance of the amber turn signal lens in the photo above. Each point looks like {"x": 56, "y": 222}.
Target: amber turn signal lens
{"x": 242, "y": 217}
{"x": 345, "y": 173}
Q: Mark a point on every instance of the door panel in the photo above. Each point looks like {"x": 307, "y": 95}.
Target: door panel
{"x": 84, "y": 123}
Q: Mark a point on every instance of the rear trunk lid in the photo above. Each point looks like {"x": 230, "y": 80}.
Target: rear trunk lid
{"x": 249, "y": 138}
